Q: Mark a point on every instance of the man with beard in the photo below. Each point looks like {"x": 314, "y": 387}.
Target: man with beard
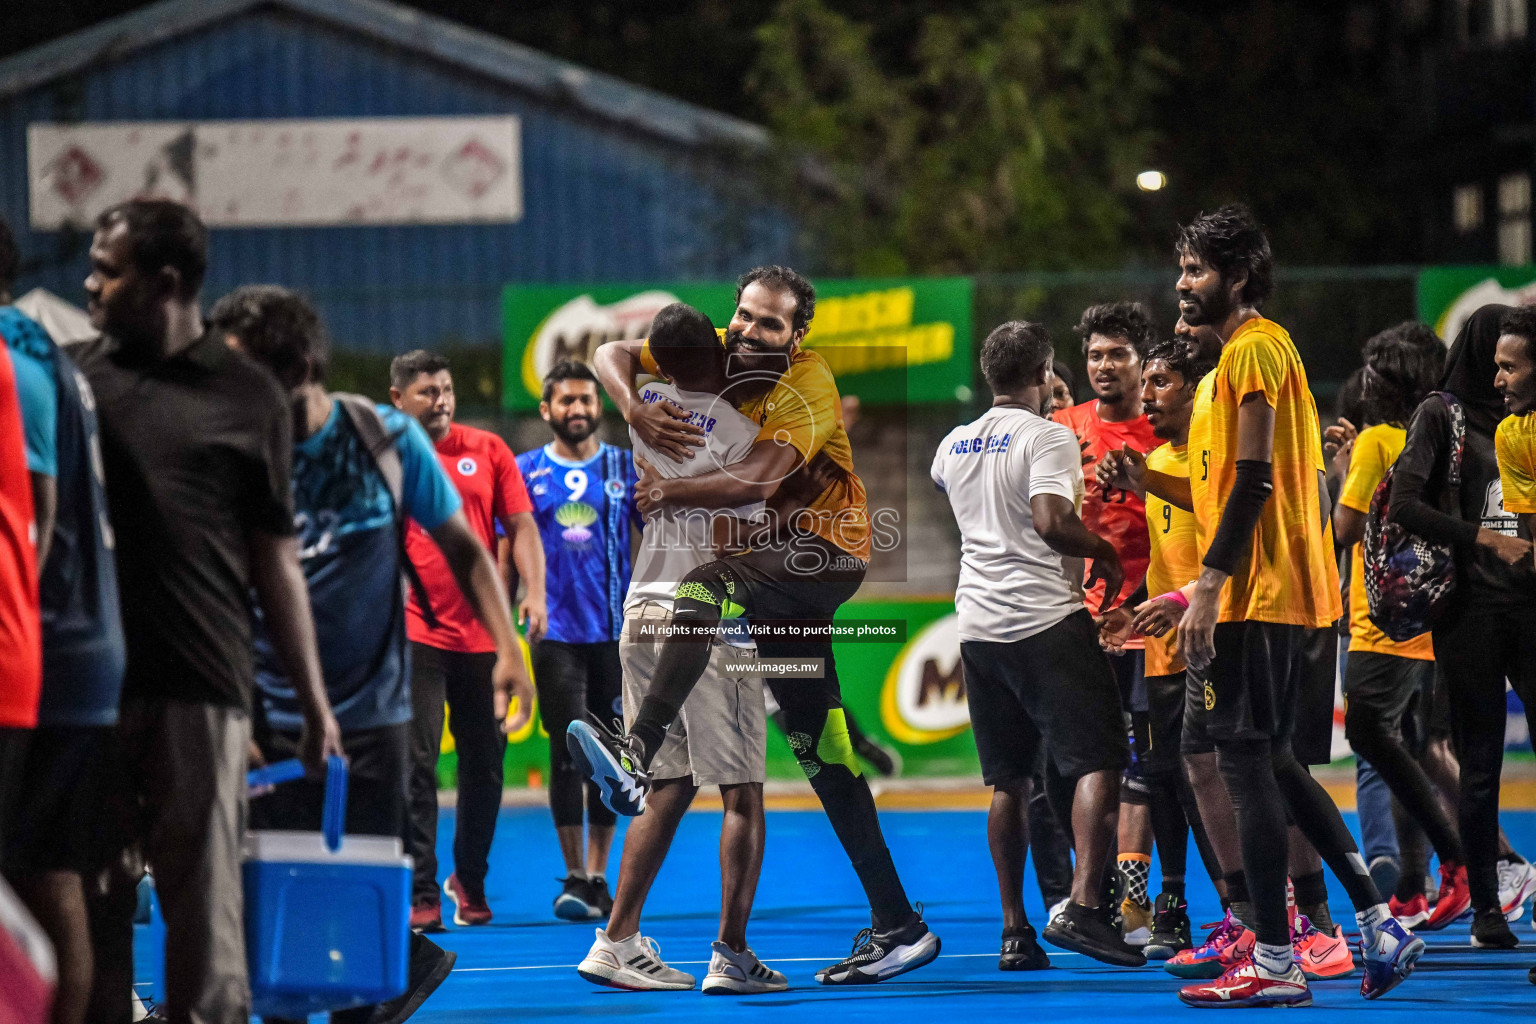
{"x": 810, "y": 559}
{"x": 720, "y": 738}
{"x": 583, "y": 501}
{"x": 454, "y": 658}
{"x": 1267, "y": 576}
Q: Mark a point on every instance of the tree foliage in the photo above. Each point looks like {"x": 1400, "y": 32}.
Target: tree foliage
{"x": 1002, "y": 136}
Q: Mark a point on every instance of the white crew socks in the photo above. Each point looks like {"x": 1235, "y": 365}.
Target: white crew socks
{"x": 1275, "y": 960}
{"x": 1369, "y": 921}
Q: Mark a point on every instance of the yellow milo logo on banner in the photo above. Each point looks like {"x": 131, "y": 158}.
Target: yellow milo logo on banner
{"x": 923, "y": 699}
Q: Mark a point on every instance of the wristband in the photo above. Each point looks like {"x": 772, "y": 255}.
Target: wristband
{"x": 1176, "y": 597}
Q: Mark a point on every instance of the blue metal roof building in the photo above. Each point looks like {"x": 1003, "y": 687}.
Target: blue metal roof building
{"x": 619, "y": 183}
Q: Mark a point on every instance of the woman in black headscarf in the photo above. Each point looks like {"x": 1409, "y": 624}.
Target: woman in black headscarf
{"x": 1486, "y": 634}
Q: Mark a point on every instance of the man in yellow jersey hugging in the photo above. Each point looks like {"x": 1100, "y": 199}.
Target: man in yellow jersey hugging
{"x": 1267, "y": 576}
{"x": 808, "y": 560}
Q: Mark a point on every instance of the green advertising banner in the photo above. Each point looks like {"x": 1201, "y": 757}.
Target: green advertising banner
{"x": 907, "y": 693}
{"x": 1448, "y": 295}
{"x": 888, "y": 340}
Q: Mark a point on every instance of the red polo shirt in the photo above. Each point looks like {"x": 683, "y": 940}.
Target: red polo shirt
{"x": 484, "y": 471}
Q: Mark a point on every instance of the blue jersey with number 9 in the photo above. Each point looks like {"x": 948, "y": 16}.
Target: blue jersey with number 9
{"x": 584, "y": 511}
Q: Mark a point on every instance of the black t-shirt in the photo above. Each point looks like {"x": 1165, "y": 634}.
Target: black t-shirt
{"x": 1420, "y": 503}
{"x": 197, "y": 449}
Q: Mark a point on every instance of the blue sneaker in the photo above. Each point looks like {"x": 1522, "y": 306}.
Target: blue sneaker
{"x": 1389, "y": 958}
{"x": 612, "y": 762}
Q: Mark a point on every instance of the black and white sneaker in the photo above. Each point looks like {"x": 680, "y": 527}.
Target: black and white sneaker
{"x": 1087, "y": 931}
{"x": 1021, "y": 952}
{"x": 634, "y": 963}
{"x": 612, "y": 763}
{"x": 878, "y": 956}
{"x": 577, "y": 901}
{"x": 603, "y": 898}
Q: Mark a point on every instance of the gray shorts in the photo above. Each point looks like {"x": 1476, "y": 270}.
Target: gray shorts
{"x": 721, "y": 736}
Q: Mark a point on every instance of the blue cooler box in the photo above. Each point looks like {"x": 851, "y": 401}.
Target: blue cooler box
{"x": 327, "y": 917}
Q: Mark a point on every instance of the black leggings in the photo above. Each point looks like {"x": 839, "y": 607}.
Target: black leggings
{"x": 573, "y": 680}
{"x": 1382, "y": 689}
{"x": 1265, "y": 782}
{"x": 1478, "y": 645}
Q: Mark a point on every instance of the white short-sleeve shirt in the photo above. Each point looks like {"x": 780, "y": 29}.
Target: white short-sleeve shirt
{"x": 1012, "y": 585}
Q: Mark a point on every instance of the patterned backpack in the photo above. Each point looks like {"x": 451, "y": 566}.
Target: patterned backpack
{"x": 1408, "y": 580}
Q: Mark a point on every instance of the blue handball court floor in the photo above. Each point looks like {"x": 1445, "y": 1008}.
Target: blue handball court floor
{"x": 522, "y": 966}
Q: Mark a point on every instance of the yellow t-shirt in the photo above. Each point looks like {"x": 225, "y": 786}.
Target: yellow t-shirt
{"x": 1515, "y": 444}
{"x": 825, "y": 496}
{"x": 1174, "y": 559}
{"x": 1376, "y": 448}
{"x": 1287, "y": 575}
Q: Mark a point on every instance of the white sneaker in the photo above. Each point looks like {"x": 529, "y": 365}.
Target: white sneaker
{"x": 1055, "y": 911}
{"x": 634, "y": 964}
{"x": 742, "y": 974}
{"x": 1517, "y": 884}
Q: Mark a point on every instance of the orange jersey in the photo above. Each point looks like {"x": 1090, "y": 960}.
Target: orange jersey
{"x": 1376, "y": 448}
{"x": 1287, "y": 574}
{"x": 1117, "y": 516}
{"x": 1174, "y": 561}
{"x": 825, "y": 496}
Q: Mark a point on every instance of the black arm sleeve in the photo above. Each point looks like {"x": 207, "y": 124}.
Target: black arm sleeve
{"x": 1138, "y": 597}
{"x": 1251, "y": 489}
{"x": 1421, "y": 462}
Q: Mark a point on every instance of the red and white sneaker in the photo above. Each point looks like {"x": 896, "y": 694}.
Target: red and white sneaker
{"x": 1455, "y": 897}
{"x": 427, "y": 917}
{"x": 469, "y": 908}
{"x": 1249, "y": 985}
{"x": 1411, "y": 914}
{"x": 1320, "y": 955}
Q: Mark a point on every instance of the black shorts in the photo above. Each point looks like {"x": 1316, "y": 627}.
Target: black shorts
{"x": 378, "y": 782}
{"x": 1312, "y": 737}
{"x": 63, "y": 813}
{"x": 1165, "y": 725}
{"x": 1393, "y": 690}
{"x": 1253, "y": 684}
{"x": 1054, "y": 688}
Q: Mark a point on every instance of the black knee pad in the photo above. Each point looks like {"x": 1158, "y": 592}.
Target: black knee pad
{"x": 829, "y": 747}
{"x": 1237, "y": 760}
{"x": 712, "y": 584}
{"x": 1135, "y": 790}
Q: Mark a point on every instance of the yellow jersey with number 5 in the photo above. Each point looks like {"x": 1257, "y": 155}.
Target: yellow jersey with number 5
{"x": 1287, "y": 574}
